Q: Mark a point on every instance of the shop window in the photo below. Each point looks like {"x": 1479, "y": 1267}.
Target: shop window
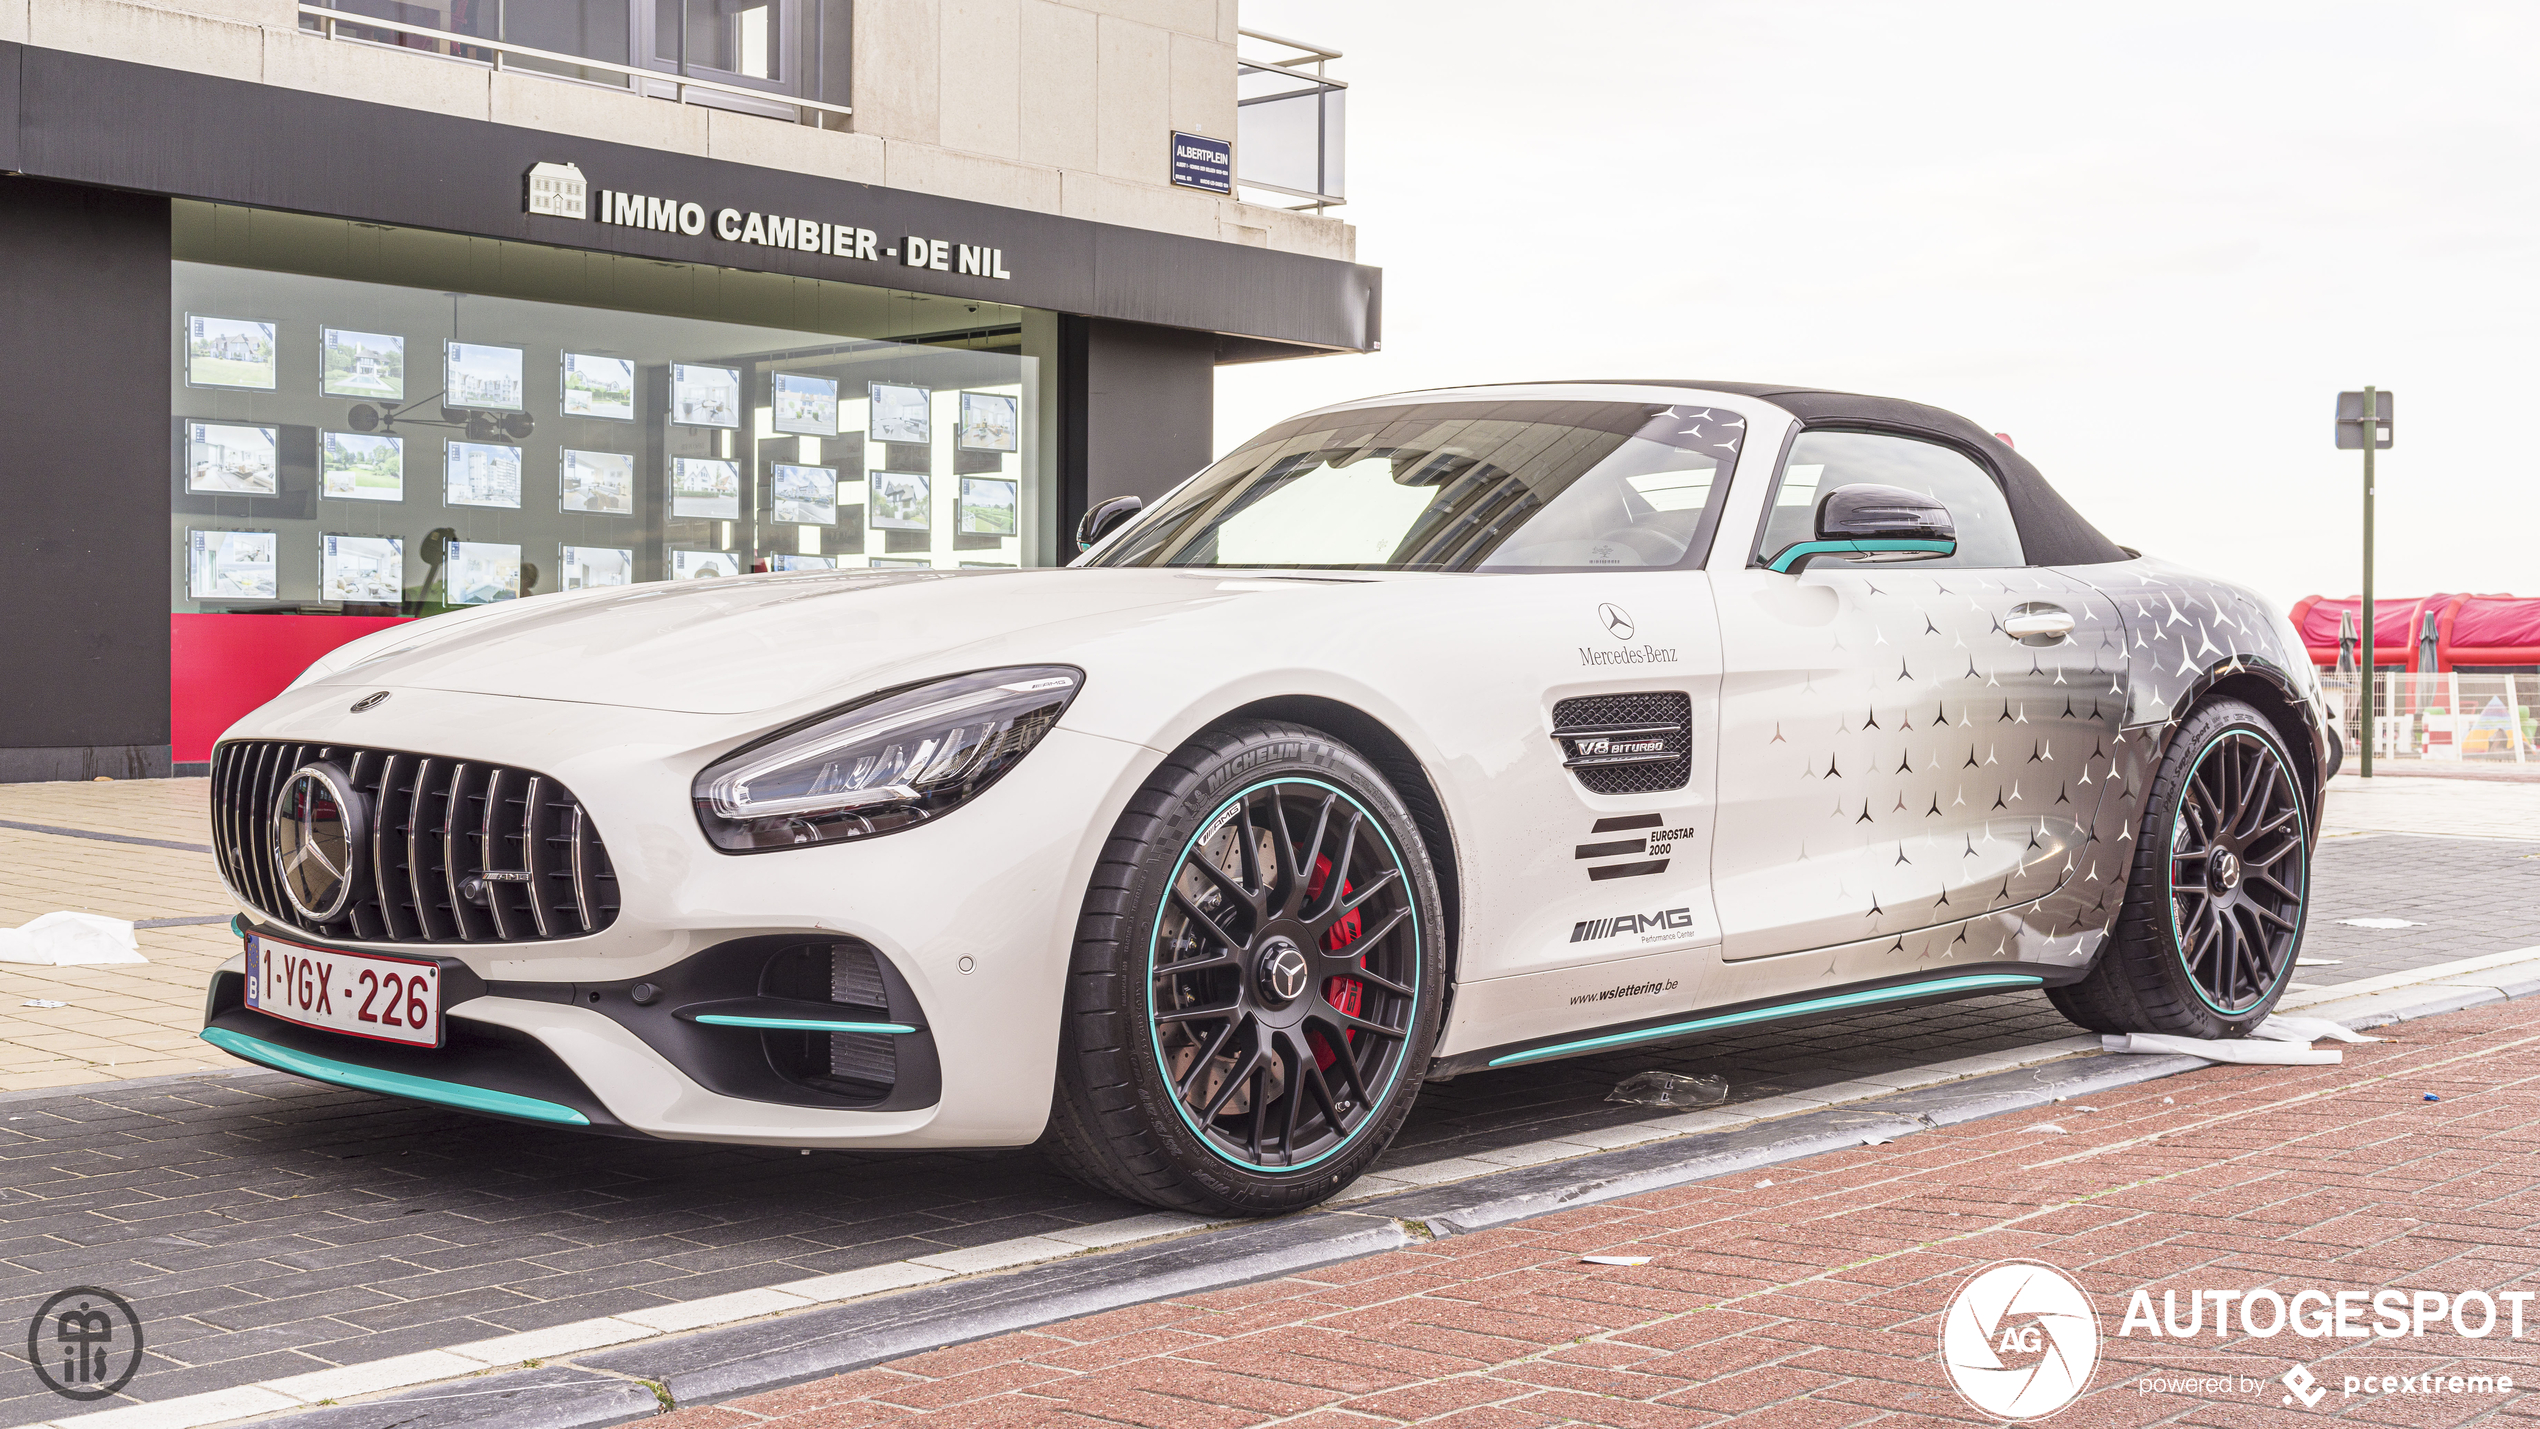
{"x": 375, "y": 424}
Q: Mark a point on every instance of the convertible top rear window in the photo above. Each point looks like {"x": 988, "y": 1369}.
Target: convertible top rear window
{"x": 1452, "y": 486}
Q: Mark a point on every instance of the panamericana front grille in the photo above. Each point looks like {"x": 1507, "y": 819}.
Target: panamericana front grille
{"x": 1627, "y": 744}
{"x": 443, "y": 851}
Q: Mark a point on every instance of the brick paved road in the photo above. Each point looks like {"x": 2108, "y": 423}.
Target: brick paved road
{"x": 266, "y": 1226}
{"x": 1812, "y": 1297}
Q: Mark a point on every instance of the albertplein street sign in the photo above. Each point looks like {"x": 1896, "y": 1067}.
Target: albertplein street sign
{"x": 561, "y": 191}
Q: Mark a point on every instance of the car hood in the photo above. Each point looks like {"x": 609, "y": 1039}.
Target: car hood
{"x": 752, "y": 643}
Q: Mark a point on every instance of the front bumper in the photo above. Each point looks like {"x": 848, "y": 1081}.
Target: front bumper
{"x": 973, "y": 916}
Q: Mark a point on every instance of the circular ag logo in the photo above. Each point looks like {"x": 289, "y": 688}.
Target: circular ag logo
{"x": 85, "y": 1343}
{"x": 2020, "y": 1340}
{"x": 1616, "y": 620}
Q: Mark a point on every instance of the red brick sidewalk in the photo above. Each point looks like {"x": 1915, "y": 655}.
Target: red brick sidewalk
{"x": 1810, "y": 1294}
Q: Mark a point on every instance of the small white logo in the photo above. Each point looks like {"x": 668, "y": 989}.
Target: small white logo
{"x": 2305, "y": 1387}
{"x": 2020, "y": 1340}
{"x": 558, "y": 191}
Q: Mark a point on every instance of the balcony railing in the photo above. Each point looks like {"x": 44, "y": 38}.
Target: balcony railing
{"x": 766, "y": 58}
{"x": 1290, "y": 121}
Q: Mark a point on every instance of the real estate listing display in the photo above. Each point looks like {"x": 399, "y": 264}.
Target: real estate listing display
{"x": 481, "y": 572}
{"x": 232, "y": 565}
{"x": 705, "y": 396}
{"x": 804, "y": 495}
{"x": 226, "y": 459}
{"x": 483, "y": 378}
{"x": 599, "y": 387}
{"x": 703, "y": 422}
{"x": 704, "y": 487}
{"x": 703, "y": 565}
{"x": 901, "y": 501}
{"x": 804, "y": 406}
{"x": 362, "y": 466}
{"x": 987, "y": 506}
{"x": 600, "y": 483}
{"x": 990, "y": 422}
{"x": 899, "y": 414}
{"x": 582, "y": 566}
{"x": 362, "y": 570}
{"x": 363, "y": 364}
{"x": 482, "y": 474}
{"x": 230, "y": 352}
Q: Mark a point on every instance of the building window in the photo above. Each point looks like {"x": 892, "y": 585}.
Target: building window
{"x": 783, "y": 47}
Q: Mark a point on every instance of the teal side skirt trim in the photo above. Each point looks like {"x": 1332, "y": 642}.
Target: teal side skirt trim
{"x": 1783, "y": 561}
{"x": 799, "y": 1024}
{"x": 395, "y": 1084}
{"x": 1767, "y": 1014}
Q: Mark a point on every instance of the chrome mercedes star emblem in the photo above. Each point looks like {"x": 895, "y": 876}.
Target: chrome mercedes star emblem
{"x": 1618, "y": 622}
{"x": 1283, "y": 971}
{"x": 2226, "y": 870}
{"x": 314, "y": 836}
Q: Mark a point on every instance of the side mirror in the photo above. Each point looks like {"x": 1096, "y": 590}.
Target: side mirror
{"x": 1104, "y": 519}
{"x": 1875, "y": 523}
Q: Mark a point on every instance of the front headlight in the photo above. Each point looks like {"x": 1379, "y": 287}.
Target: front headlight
{"x": 883, "y": 764}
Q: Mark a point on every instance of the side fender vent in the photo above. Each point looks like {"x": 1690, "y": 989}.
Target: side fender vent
{"x": 1627, "y": 744}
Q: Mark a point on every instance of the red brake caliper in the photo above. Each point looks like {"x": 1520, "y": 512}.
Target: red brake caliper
{"x": 1344, "y": 993}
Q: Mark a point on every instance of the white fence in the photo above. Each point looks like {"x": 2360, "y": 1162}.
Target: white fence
{"x": 2463, "y": 715}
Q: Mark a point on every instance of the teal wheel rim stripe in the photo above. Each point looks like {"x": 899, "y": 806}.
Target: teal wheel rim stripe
{"x": 800, "y": 1024}
{"x": 1839, "y": 1001}
{"x": 1155, "y": 931}
{"x": 1783, "y": 561}
{"x": 395, "y": 1084}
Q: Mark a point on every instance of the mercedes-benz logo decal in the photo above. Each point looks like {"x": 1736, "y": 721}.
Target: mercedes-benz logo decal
{"x": 1617, "y": 621}
{"x": 368, "y": 703}
{"x": 316, "y": 829}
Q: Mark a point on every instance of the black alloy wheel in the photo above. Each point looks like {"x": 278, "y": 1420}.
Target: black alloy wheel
{"x": 2216, "y": 894}
{"x": 1283, "y": 975}
{"x": 2238, "y": 872}
{"x": 1257, "y": 979}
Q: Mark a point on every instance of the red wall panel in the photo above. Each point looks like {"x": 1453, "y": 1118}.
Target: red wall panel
{"x": 223, "y": 666}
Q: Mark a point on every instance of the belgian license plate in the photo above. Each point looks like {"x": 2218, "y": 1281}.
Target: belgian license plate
{"x": 390, "y": 999}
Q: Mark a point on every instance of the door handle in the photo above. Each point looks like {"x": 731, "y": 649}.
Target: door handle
{"x": 2038, "y": 624}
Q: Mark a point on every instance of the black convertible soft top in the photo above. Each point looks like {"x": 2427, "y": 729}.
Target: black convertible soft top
{"x": 2052, "y": 533}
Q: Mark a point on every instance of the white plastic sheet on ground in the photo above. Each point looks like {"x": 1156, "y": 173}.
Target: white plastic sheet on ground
{"x": 65, "y": 940}
{"x": 2279, "y": 1041}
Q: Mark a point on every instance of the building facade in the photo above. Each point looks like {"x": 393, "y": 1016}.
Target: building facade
{"x": 395, "y": 308}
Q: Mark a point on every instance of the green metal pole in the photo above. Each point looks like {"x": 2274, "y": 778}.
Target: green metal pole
{"x": 2372, "y": 415}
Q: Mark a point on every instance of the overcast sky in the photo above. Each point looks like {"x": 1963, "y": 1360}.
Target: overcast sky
{"x": 2150, "y": 242}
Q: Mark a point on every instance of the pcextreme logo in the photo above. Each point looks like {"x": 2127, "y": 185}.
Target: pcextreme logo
{"x": 2020, "y": 1340}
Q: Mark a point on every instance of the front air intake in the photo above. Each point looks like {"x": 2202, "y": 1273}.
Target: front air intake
{"x": 436, "y": 850}
{"x": 1627, "y": 744}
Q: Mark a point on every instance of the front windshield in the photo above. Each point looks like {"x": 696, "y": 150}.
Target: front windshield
{"x": 1452, "y": 486}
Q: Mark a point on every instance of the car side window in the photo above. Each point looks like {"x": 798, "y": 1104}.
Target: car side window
{"x": 1819, "y": 462}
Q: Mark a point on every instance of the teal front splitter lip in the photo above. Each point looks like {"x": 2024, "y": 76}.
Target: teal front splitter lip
{"x": 799, "y": 1024}
{"x": 395, "y": 1084}
{"x": 1835, "y": 1003}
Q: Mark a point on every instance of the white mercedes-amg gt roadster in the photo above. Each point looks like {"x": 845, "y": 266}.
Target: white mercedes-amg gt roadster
{"x": 1422, "y": 736}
